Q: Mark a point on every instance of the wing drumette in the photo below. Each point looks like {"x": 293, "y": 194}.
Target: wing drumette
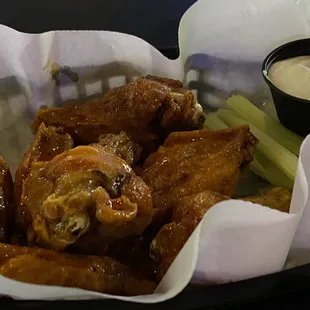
{"x": 85, "y": 190}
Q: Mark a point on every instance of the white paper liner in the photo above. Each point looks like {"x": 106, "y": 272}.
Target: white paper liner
{"x": 236, "y": 239}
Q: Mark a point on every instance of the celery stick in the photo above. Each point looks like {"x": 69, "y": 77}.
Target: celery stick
{"x": 260, "y": 164}
{"x": 249, "y": 112}
{"x": 263, "y": 167}
{"x": 257, "y": 168}
{"x": 282, "y": 158}
{"x": 213, "y": 122}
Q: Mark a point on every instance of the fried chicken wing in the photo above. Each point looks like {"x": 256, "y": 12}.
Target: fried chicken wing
{"x": 187, "y": 213}
{"x": 48, "y": 142}
{"x": 7, "y": 207}
{"x": 47, "y": 267}
{"x": 122, "y": 146}
{"x": 193, "y": 208}
{"x": 277, "y": 198}
{"x": 85, "y": 189}
{"x": 191, "y": 162}
{"x": 146, "y": 109}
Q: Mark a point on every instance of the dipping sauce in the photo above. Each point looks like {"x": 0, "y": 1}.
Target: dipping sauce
{"x": 292, "y": 76}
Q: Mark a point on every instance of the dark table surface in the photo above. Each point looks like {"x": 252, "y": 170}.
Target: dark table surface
{"x": 156, "y": 22}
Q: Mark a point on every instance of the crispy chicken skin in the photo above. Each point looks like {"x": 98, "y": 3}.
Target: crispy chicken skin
{"x": 47, "y": 267}
{"x": 277, "y": 198}
{"x": 147, "y": 109}
{"x": 193, "y": 208}
{"x": 122, "y": 146}
{"x": 191, "y": 162}
{"x": 187, "y": 213}
{"x": 48, "y": 142}
{"x": 7, "y": 208}
{"x": 85, "y": 189}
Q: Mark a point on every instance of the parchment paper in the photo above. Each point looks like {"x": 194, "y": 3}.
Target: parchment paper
{"x": 222, "y": 45}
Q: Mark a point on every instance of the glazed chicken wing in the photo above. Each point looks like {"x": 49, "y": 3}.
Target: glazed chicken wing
{"x": 47, "y": 267}
{"x": 7, "y": 208}
{"x": 146, "y": 109}
{"x": 48, "y": 142}
{"x": 187, "y": 213}
{"x": 191, "y": 162}
{"x": 122, "y": 146}
{"x": 85, "y": 189}
{"x": 278, "y": 198}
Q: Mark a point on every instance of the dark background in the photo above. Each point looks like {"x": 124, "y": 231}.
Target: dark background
{"x": 156, "y": 21}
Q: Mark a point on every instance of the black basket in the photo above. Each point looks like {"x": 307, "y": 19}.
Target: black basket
{"x": 38, "y": 16}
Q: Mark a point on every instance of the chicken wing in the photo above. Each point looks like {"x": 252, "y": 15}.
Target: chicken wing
{"x": 85, "y": 189}
{"x": 191, "y": 162}
{"x": 146, "y": 109}
{"x": 7, "y": 208}
{"x": 122, "y": 146}
{"x": 187, "y": 213}
{"x": 278, "y": 198}
{"x": 47, "y": 267}
{"x": 47, "y": 143}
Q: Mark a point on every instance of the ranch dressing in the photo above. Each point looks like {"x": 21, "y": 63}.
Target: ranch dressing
{"x": 292, "y": 76}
